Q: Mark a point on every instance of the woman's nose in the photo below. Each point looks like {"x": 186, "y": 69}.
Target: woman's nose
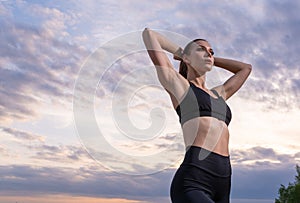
{"x": 208, "y": 52}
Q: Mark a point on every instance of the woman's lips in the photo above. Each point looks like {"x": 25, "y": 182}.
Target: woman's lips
{"x": 208, "y": 61}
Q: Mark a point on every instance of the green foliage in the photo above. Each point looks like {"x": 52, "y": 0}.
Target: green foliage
{"x": 290, "y": 194}
{"x": 298, "y": 175}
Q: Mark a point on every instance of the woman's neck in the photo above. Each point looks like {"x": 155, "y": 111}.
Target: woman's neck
{"x": 197, "y": 79}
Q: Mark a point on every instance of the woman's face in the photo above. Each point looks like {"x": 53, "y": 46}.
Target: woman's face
{"x": 200, "y": 57}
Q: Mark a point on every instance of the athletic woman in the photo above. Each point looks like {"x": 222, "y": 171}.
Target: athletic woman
{"x": 205, "y": 173}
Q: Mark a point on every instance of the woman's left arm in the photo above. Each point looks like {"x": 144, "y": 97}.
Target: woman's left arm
{"x": 241, "y": 72}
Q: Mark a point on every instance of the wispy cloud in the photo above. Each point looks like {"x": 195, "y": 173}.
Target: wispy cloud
{"x": 79, "y": 181}
{"x": 40, "y": 58}
{"x": 263, "y": 178}
{"x": 263, "y": 158}
{"x": 38, "y": 70}
{"x": 64, "y": 198}
{"x": 260, "y": 33}
{"x": 22, "y": 135}
{"x": 62, "y": 153}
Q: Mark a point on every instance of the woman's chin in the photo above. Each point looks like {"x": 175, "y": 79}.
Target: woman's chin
{"x": 204, "y": 69}
{"x": 208, "y": 67}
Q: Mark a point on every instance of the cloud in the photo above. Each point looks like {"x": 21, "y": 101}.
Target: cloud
{"x": 46, "y": 57}
{"x": 109, "y": 19}
{"x": 4, "y": 151}
{"x": 259, "y": 183}
{"x": 63, "y": 153}
{"x": 22, "y": 135}
{"x": 32, "y": 148}
{"x": 41, "y": 57}
{"x": 258, "y": 172}
{"x": 36, "y": 180}
{"x": 21, "y": 146}
{"x": 54, "y": 21}
{"x": 262, "y": 180}
{"x": 262, "y": 158}
{"x": 65, "y": 198}
{"x": 4, "y": 11}
{"x": 38, "y": 70}
{"x": 263, "y": 34}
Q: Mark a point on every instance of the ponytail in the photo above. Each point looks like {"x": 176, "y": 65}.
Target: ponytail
{"x": 183, "y": 69}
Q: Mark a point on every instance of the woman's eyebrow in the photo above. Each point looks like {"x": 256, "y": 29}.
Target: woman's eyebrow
{"x": 202, "y": 46}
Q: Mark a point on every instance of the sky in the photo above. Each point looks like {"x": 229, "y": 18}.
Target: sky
{"x": 83, "y": 117}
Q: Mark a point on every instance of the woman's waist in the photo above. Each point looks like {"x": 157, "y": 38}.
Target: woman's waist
{"x": 207, "y": 133}
{"x": 209, "y": 161}
{"x": 205, "y": 125}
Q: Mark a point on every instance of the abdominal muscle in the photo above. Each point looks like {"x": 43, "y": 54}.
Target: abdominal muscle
{"x": 207, "y": 132}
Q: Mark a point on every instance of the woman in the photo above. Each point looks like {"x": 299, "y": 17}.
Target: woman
{"x": 205, "y": 174}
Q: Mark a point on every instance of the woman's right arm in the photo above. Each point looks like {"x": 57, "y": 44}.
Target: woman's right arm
{"x": 171, "y": 80}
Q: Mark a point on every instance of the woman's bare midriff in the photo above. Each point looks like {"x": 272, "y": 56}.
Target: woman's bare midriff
{"x": 207, "y": 132}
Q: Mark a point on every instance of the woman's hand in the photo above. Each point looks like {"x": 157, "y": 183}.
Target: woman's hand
{"x": 178, "y": 54}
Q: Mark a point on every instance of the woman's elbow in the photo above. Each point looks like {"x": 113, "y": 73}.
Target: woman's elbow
{"x": 146, "y": 32}
{"x": 248, "y": 67}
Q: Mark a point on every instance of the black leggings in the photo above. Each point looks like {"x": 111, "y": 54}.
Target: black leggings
{"x": 203, "y": 177}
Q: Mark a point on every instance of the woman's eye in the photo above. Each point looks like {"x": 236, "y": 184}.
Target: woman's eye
{"x": 204, "y": 49}
{"x": 200, "y": 49}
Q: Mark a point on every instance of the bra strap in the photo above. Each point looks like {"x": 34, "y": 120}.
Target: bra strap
{"x": 215, "y": 92}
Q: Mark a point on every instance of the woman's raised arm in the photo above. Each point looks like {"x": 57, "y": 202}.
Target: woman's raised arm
{"x": 171, "y": 80}
{"x": 241, "y": 72}
{"x": 155, "y": 44}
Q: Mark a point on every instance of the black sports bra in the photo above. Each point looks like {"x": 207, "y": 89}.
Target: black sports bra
{"x": 198, "y": 103}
